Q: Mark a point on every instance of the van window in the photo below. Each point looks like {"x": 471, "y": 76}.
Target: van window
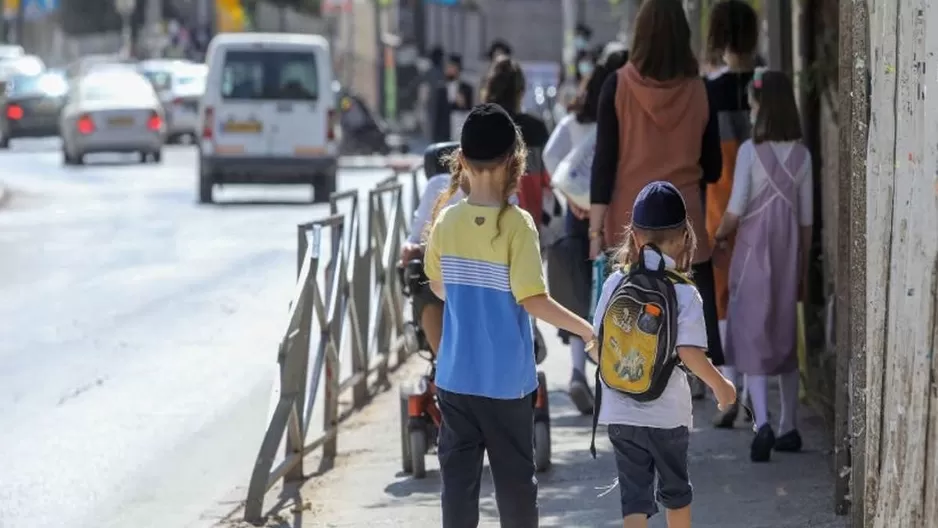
{"x": 270, "y": 75}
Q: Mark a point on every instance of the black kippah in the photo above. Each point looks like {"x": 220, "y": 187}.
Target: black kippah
{"x": 488, "y": 133}
{"x": 659, "y": 206}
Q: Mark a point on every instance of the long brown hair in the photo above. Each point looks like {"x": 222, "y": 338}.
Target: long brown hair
{"x": 504, "y": 85}
{"x": 514, "y": 163}
{"x": 661, "y": 47}
{"x": 734, "y": 27}
{"x": 628, "y": 252}
{"x": 777, "y": 118}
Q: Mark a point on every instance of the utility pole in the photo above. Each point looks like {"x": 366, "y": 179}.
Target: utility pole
{"x": 125, "y": 8}
{"x": 20, "y": 19}
{"x": 153, "y": 16}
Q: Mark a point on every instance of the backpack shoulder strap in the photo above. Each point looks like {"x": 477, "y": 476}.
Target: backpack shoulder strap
{"x": 677, "y": 277}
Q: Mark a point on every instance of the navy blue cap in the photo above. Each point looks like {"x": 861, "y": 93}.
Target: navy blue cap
{"x": 659, "y": 206}
{"x": 488, "y": 133}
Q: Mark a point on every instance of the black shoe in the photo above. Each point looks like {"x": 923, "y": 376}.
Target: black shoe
{"x": 789, "y": 442}
{"x": 580, "y": 393}
{"x": 726, "y": 419}
{"x": 762, "y": 444}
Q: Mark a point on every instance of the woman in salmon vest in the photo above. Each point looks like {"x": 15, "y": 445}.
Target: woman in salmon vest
{"x": 734, "y": 34}
{"x": 655, "y": 123}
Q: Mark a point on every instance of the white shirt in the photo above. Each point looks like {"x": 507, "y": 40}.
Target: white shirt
{"x": 567, "y": 135}
{"x": 750, "y": 178}
{"x": 674, "y": 407}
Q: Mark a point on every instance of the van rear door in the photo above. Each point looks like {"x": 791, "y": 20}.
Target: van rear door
{"x": 243, "y": 119}
{"x": 301, "y": 75}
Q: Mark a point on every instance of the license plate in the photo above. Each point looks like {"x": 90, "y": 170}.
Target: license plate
{"x": 242, "y": 127}
{"x": 46, "y": 105}
{"x": 120, "y": 121}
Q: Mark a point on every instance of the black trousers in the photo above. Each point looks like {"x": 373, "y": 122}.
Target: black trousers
{"x": 702, "y": 274}
{"x": 472, "y": 426}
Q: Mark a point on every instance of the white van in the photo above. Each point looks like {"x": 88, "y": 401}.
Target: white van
{"x": 267, "y": 115}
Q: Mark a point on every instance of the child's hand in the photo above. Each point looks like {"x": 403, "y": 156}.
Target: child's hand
{"x": 725, "y": 393}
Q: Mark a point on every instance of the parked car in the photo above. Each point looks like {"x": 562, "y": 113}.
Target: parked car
{"x": 112, "y": 111}
{"x": 268, "y": 113}
{"x": 32, "y": 105}
{"x": 182, "y": 107}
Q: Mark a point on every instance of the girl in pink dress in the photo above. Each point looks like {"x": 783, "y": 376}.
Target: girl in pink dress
{"x": 770, "y": 210}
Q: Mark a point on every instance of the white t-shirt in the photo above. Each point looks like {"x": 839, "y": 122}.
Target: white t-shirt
{"x": 674, "y": 407}
{"x": 750, "y": 177}
{"x": 566, "y": 135}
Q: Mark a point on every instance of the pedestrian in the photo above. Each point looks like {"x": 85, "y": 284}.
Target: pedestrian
{"x": 458, "y": 94}
{"x": 483, "y": 259}
{"x": 505, "y": 85}
{"x": 499, "y": 49}
{"x": 770, "y": 211}
{"x": 568, "y": 258}
{"x": 648, "y": 425}
{"x": 432, "y": 98}
{"x": 733, "y": 35}
{"x": 655, "y": 123}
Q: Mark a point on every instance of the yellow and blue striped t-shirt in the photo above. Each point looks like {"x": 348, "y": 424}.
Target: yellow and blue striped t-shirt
{"x": 487, "y": 347}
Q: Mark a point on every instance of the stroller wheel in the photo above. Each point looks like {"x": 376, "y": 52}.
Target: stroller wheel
{"x": 540, "y": 348}
{"x": 542, "y": 446}
{"x": 407, "y": 462}
{"x": 418, "y": 452}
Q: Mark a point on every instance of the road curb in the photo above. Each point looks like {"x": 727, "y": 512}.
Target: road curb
{"x": 4, "y": 195}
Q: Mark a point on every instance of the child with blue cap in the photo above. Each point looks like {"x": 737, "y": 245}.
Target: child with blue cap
{"x": 649, "y": 432}
{"x": 483, "y": 259}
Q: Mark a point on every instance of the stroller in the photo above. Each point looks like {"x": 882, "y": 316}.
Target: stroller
{"x": 420, "y": 414}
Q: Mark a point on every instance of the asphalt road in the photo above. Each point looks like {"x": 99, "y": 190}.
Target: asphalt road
{"x": 138, "y": 335}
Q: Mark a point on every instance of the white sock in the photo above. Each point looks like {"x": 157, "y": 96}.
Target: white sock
{"x": 578, "y": 354}
{"x": 758, "y": 387}
{"x": 788, "y": 385}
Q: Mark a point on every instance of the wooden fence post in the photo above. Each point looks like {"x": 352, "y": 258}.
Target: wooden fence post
{"x": 902, "y": 269}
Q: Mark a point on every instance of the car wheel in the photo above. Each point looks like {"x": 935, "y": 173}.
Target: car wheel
{"x": 143, "y": 157}
{"x": 4, "y": 141}
{"x": 323, "y": 187}
{"x": 157, "y": 156}
{"x": 66, "y": 159}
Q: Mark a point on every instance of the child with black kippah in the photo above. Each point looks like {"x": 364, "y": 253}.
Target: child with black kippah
{"x": 483, "y": 259}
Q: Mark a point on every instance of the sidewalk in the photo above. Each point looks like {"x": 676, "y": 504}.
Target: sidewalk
{"x": 366, "y": 488}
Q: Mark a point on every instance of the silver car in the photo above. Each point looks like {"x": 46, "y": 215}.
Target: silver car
{"x": 112, "y": 111}
{"x": 182, "y": 110}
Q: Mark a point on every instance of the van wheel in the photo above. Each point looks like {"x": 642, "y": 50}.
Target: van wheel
{"x": 323, "y": 187}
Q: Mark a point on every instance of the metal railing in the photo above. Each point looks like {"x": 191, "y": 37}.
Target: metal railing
{"x": 360, "y": 299}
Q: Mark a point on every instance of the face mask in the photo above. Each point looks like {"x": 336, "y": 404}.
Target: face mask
{"x": 585, "y": 68}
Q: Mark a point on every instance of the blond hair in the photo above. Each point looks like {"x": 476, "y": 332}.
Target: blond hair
{"x": 515, "y": 162}
{"x": 627, "y": 253}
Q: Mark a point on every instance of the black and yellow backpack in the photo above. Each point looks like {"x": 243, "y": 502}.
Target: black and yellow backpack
{"x": 638, "y": 333}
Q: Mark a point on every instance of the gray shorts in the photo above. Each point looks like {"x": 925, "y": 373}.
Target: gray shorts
{"x": 644, "y": 453}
